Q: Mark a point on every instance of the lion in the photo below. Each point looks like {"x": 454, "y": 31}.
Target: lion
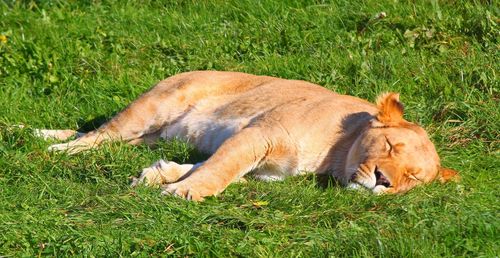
{"x": 271, "y": 128}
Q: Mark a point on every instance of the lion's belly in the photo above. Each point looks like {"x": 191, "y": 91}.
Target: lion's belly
{"x": 204, "y": 131}
{"x": 210, "y": 122}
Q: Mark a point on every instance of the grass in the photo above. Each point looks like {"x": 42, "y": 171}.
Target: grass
{"x": 73, "y": 64}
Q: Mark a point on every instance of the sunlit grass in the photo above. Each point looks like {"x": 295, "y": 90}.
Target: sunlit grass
{"x": 74, "y": 64}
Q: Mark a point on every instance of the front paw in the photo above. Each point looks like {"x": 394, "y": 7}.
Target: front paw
{"x": 187, "y": 191}
{"x": 151, "y": 176}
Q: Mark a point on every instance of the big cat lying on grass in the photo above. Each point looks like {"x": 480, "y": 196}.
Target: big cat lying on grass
{"x": 271, "y": 128}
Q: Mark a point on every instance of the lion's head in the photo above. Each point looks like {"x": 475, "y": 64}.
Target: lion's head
{"x": 393, "y": 155}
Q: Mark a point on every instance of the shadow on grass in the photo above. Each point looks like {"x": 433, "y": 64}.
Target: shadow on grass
{"x": 324, "y": 181}
{"x": 90, "y": 125}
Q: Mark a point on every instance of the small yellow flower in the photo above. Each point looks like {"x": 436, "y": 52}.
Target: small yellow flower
{"x": 3, "y": 38}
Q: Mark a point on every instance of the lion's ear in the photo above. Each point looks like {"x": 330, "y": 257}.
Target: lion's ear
{"x": 390, "y": 109}
{"x": 447, "y": 174}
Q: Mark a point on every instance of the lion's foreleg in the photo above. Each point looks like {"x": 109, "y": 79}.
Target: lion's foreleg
{"x": 237, "y": 156}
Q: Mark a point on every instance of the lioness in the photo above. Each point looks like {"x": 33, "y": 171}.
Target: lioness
{"x": 272, "y": 128}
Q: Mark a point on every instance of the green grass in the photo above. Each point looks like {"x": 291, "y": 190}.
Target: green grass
{"x": 73, "y": 64}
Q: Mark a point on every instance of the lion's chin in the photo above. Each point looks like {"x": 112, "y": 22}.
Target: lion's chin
{"x": 356, "y": 186}
{"x": 378, "y": 189}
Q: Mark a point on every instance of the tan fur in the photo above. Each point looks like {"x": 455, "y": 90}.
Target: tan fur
{"x": 273, "y": 128}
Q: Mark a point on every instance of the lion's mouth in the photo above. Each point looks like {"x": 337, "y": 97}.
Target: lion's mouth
{"x": 380, "y": 179}
{"x": 364, "y": 176}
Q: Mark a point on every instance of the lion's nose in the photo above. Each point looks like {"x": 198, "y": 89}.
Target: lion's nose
{"x": 381, "y": 179}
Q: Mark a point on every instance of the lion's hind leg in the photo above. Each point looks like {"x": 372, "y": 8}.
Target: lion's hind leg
{"x": 85, "y": 142}
{"x": 49, "y": 134}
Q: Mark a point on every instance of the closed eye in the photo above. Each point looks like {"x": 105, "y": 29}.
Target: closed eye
{"x": 413, "y": 178}
{"x": 388, "y": 145}
{"x": 393, "y": 148}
